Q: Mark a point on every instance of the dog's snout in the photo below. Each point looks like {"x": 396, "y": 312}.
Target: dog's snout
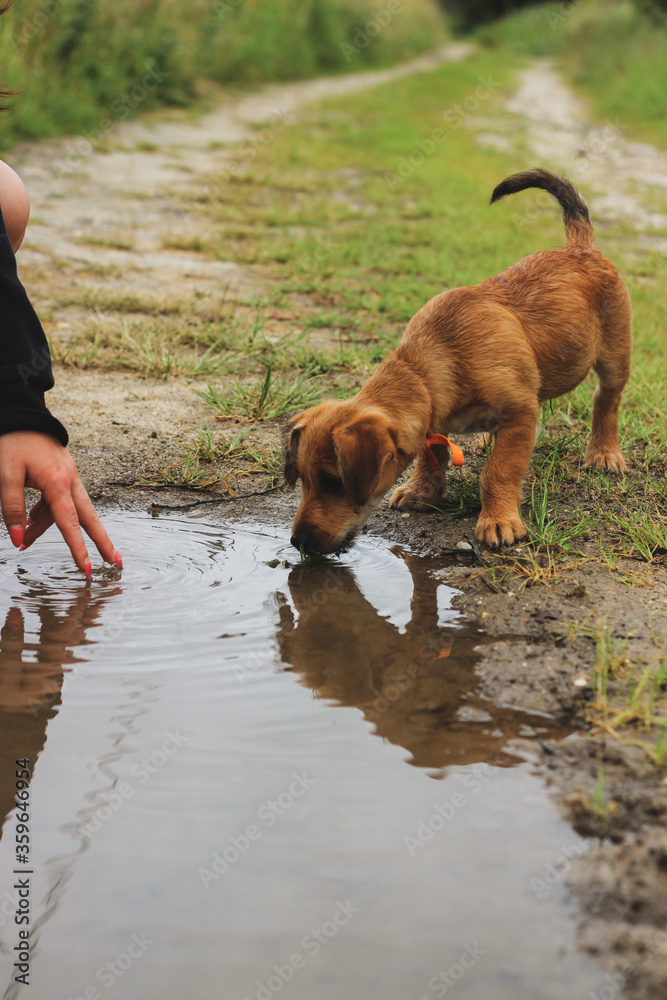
{"x": 301, "y": 539}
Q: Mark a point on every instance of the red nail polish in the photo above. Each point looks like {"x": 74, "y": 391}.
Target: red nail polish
{"x": 88, "y": 569}
{"x": 16, "y": 535}
{"x": 118, "y": 558}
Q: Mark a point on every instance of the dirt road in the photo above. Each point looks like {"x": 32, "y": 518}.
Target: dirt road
{"x": 627, "y": 178}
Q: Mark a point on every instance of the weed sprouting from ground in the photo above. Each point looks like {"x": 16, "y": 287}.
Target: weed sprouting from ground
{"x": 644, "y": 532}
{"x": 629, "y": 696}
{"x": 599, "y": 795}
{"x": 204, "y": 446}
{"x": 546, "y": 527}
{"x": 267, "y": 399}
{"x": 186, "y": 474}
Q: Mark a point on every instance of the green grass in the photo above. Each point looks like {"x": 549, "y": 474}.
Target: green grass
{"x": 186, "y": 475}
{"x": 267, "y": 460}
{"x": 267, "y": 399}
{"x": 84, "y": 66}
{"x": 544, "y": 526}
{"x": 644, "y": 533}
{"x": 611, "y": 50}
{"x": 205, "y": 448}
{"x": 333, "y": 220}
{"x": 630, "y": 697}
{"x": 151, "y": 345}
{"x": 245, "y": 457}
{"x": 599, "y": 794}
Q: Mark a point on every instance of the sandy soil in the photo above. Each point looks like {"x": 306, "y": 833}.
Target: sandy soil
{"x": 121, "y": 424}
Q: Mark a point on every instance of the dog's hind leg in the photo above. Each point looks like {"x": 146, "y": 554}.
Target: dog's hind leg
{"x": 603, "y": 448}
{"x": 425, "y": 487}
{"x": 612, "y": 366}
{"x": 500, "y": 483}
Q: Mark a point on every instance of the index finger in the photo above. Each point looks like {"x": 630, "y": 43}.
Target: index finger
{"x": 12, "y": 496}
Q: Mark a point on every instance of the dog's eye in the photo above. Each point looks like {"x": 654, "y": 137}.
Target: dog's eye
{"x": 330, "y": 484}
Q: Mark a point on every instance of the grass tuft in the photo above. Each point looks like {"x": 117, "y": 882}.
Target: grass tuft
{"x": 267, "y": 399}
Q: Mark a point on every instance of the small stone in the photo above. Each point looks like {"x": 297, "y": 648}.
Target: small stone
{"x": 464, "y": 546}
{"x": 246, "y": 510}
{"x": 580, "y": 682}
{"x": 406, "y": 516}
{"x": 467, "y": 713}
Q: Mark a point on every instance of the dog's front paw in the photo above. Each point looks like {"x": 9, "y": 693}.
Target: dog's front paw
{"x": 499, "y": 529}
{"x": 610, "y": 459}
{"x": 406, "y": 498}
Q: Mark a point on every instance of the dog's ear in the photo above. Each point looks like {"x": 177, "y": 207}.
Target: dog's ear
{"x": 291, "y": 436}
{"x": 362, "y": 450}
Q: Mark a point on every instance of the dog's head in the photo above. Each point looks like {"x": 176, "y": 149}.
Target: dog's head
{"x": 347, "y": 457}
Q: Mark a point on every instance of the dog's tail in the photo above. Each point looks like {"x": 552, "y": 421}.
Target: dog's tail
{"x": 575, "y": 211}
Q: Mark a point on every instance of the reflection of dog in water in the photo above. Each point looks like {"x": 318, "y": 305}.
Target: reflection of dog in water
{"x": 416, "y": 687}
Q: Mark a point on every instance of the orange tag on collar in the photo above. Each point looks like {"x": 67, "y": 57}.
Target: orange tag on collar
{"x": 457, "y": 454}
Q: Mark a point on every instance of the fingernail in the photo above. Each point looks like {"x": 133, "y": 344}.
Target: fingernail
{"x": 88, "y": 569}
{"x": 16, "y": 535}
{"x": 118, "y": 559}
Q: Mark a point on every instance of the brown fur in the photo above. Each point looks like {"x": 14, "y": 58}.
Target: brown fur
{"x": 485, "y": 358}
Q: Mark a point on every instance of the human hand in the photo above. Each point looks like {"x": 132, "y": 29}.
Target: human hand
{"x": 37, "y": 460}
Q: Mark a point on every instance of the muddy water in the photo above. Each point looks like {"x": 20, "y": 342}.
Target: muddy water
{"x": 252, "y": 778}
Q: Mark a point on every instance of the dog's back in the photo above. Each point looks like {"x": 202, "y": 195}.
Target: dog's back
{"x": 558, "y": 305}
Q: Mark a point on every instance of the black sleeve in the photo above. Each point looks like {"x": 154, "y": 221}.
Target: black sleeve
{"x": 25, "y": 361}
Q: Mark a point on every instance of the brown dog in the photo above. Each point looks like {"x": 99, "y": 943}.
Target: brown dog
{"x": 482, "y": 358}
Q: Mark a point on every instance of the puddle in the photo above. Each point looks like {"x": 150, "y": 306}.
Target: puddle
{"x": 253, "y": 778}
